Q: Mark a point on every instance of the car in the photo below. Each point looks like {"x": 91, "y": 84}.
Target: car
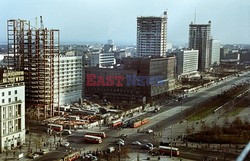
{"x": 136, "y": 143}
{"x": 145, "y": 146}
{"x": 33, "y": 155}
{"x": 149, "y": 131}
{"x": 66, "y": 132}
{"x": 43, "y": 151}
{"x": 91, "y": 157}
{"x": 120, "y": 143}
{"x": 150, "y": 144}
{"x": 123, "y": 135}
{"x": 66, "y": 144}
{"x": 119, "y": 140}
{"x": 111, "y": 149}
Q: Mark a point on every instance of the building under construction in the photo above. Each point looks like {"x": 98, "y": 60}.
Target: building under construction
{"x": 34, "y": 50}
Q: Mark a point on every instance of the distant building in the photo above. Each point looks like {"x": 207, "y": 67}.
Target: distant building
{"x": 70, "y": 79}
{"x": 12, "y": 110}
{"x": 224, "y": 52}
{"x": 215, "y": 52}
{"x": 245, "y": 56}
{"x": 199, "y": 39}
{"x": 152, "y": 36}
{"x": 104, "y": 57}
{"x": 140, "y": 79}
{"x": 98, "y": 59}
{"x": 187, "y": 63}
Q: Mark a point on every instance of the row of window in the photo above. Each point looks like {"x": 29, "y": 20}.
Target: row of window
{"x": 9, "y": 100}
{"x": 11, "y": 111}
{"x": 9, "y": 93}
{"x": 8, "y": 125}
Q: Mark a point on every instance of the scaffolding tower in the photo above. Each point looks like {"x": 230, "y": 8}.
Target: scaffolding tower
{"x": 34, "y": 51}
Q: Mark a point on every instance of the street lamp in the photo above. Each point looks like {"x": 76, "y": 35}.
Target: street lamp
{"x": 171, "y": 141}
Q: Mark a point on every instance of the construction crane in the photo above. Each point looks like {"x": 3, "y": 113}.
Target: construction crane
{"x": 41, "y": 22}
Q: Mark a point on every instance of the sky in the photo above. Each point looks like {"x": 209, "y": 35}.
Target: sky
{"x": 81, "y": 21}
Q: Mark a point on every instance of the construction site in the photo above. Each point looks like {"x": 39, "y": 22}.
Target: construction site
{"x": 34, "y": 49}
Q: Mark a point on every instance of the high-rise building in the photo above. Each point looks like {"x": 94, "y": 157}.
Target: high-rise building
{"x": 215, "y": 52}
{"x": 199, "y": 39}
{"x": 70, "y": 79}
{"x": 187, "y": 63}
{"x": 34, "y": 51}
{"x": 152, "y": 36}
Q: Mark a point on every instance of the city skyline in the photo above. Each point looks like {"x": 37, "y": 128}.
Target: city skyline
{"x": 98, "y": 21}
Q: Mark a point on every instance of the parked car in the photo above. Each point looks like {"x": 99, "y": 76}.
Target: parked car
{"x": 136, "y": 143}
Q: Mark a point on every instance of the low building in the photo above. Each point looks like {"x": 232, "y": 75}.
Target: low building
{"x": 12, "y": 111}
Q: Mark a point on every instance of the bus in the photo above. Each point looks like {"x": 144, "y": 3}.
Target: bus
{"x": 166, "y": 150}
{"x": 70, "y": 157}
{"x": 117, "y": 123}
{"x": 92, "y": 139}
{"x": 55, "y": 127}
{"x": 95, "y": 133}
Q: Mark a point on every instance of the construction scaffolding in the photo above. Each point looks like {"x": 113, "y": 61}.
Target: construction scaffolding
{"x": 34, "y": 51}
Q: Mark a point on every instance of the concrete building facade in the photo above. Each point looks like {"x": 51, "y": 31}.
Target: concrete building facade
{"x": 70, "y": 79}
{"x": 215, "y": 52}
{"x": 140, "y": 79}
{"x": 152, "y": 36}
{"x": 187, "y": 62}
{"x": 12, "y": 110}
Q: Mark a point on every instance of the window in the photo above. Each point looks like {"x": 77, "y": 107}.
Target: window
{"x": 15, "y": 98}
{"x": 16, "y": 125}
{"x": 4, "y": 111}
{"x": 19, "y": 109}
{"x": 9, "y": 100}
{"x": 10, "y": 111}
{"x": 9, "y": 92}
{"x": 10, "y": 126}
{"x": 2, "y": 100}
{"x": 15, "y": 91}
{"x": 2, "y": 93}
{"x": 4, "y": 128}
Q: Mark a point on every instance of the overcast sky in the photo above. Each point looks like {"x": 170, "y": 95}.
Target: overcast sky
{"x": 99, "y": 20}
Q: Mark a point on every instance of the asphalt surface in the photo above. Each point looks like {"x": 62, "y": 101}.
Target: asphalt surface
{"x": 169, "y": 115}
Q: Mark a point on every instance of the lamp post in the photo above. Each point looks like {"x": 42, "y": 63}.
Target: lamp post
{"x": 171, "y": 141}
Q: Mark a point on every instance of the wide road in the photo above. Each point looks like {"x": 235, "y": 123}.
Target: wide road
{"x": 168, "y": 115}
